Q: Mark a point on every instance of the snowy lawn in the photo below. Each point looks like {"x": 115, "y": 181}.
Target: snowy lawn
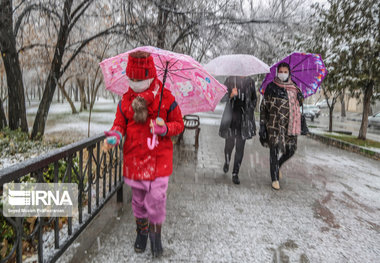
{"x": 62, "y": 128}
{"x": 63, "y": 125}
{"x": 354, "y": 140}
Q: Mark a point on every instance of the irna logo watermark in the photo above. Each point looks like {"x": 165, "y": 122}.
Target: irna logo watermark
{"x": 40, "y": 199}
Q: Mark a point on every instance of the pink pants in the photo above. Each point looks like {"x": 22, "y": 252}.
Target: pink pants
{"x": 149, "y": 198}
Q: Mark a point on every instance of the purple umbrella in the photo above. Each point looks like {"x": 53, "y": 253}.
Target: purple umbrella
{"x": 307, "y": 71}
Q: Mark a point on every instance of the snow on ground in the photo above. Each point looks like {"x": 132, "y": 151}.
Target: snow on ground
{"x": 7, "y": 160}
{"x": 322, "y": 132}
{"x": 63, "y": 127}
{"x": 62, "y": 121}
{"x": 326, "y": 211}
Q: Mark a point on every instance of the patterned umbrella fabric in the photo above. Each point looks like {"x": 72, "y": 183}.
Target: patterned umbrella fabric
{"x": 236, "y": 65}
{"x": 194, "y": 88}
{"x": 307, "y": 71}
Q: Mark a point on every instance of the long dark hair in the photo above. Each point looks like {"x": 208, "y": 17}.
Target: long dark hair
{"x": 286, "y": 65}
{"x": 283, "y": 65}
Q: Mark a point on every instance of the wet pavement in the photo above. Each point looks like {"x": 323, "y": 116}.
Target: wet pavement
{"x": 328, "y": 209}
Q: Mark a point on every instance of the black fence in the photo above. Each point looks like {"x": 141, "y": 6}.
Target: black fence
{"x": 98, "y": 175}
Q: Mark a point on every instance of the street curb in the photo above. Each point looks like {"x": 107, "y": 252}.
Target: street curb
{"x": 345, "y": 146}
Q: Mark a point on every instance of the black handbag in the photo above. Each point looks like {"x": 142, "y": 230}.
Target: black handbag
{"x": 263, "y": 136}
{"x": 304, "y": 128}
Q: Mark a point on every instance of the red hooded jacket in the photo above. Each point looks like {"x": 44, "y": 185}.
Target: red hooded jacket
{"x": 141, "y": 163}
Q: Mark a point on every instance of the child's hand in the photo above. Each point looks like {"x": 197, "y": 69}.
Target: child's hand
{"x": 107, "y": 146}
{"x": 113, "y": 139}
{"x": 158, "y": 127}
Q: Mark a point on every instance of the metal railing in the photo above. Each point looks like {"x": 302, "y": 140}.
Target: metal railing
{"x": 98, "y": 175}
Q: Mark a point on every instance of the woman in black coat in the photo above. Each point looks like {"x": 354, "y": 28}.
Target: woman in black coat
{"x": 238, "y": 121}
{"x": 280, "y": 120}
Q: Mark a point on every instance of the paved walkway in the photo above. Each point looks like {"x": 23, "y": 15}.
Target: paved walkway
{"x": 328, "y": 209}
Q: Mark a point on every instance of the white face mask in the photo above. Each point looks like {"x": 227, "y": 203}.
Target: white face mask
{"x": 140, "y": 86}
{"x": 283, "y": 76}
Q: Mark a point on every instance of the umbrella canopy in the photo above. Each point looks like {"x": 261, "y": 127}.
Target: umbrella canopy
{"x": 307, "y": 71}
{"x": 236, "y": 65}
{"x": 194, "y": 88}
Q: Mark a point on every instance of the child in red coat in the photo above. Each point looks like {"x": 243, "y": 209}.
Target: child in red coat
{"x": 146, "y": 170}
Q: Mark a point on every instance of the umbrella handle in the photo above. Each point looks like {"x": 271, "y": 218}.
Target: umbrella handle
{"x": 152, "y": 142}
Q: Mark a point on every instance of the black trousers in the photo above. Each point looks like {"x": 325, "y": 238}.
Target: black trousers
{"x": 231, "y": 142}
{"x": 276, "y": 163}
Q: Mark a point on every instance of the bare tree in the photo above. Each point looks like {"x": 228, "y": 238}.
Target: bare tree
{"x": 67, "y": 22}
{"x": 331, "y": 95}
{"x": 81, "y": 82}
{"x": 64, "y": 94}
{"x": 9, "y": 55}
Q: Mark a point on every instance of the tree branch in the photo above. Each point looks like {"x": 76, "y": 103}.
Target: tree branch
{"x": 74, "y": 18}
{"x": 25, "y": 48}
{"x": 29, "y": 9}
{"x": 110, "y": 30}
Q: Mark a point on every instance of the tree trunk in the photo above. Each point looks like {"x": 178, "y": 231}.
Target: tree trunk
{"x": 88, "y": 93}
{"x": 1, "y": 86}
{"x": 82, "y": 94}
{"x": 76, "y": 94}
{"x": 16, "y": 96}
{"x": 368, "y": 92}
{"x": 3, "y": 118}
{"x": 331, "y": 111}
{"x": 27, "y": 97}
{"x": 83, "y": 102}
{"x": 343, "y": 105}
{"x": 31, "y": 94}
{"x": 162, "y": 19}
{"x": 71, "y": 92}
{"x": 54, "y": 74}
{"x": 62, "y": 88}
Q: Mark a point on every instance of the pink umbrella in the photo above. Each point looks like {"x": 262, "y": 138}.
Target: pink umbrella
{"x": 194, "y": 88}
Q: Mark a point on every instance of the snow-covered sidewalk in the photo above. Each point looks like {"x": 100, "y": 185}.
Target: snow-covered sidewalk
{"x": 326, "y": 211}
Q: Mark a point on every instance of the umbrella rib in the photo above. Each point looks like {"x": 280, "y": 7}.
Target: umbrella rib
{"x": 159, "y": 67}
{"x": 174, "y": 70}
{"x": 162, "y": 63}
{"x": 170, "y": 78}
{"x": 300, "y": 62}
{"x": 159, "y": 75}
{"x": 300, "y": 70}
{"x": 173, "y": 64}
{"x": 300, "y": 80}
{"x": 179, "y": 76}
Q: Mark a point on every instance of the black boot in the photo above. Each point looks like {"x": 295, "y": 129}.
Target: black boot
{"x": 155, "y": 240}
{"x": 235, "y": 179}
{"x": 142, "y": 229}
{"x": 225, "y": 167}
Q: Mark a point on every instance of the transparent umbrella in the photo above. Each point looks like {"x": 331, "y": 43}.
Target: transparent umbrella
{"x": 236, "y": 65}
